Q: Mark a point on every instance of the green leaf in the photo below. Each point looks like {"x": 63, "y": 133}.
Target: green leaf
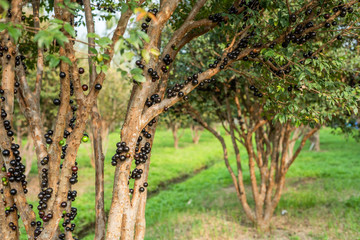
{"x": 144, "y": 36}
{"x": 355, "y": 110}
{"x": 61, "y": 5}
{"x": 93, "y": 50}
{"x": 43, "y": 39}
{"x": 155, "y": 52}
{"x": 66, "y": 60}
{"x": 72, "y": 5}
{"x": 119, "y": 45}
{"x": 53, "y": 60}
{"x": 61, "y": 38}
{"x": 123, "y": 73}
{"x": 15, "y": 33}
{"x": 57, "y": 21}
{"x": 104, "y": 68}
{"x": 4, "y": 5}
{"x": 93, "y": 35}
{"x": 134, "y": 39}
{"x": 69, "y": 29}
{"x": 3, "y": 26}
{"x": 106, "y": 56}
{"x": 139, "y": 78}
{"x": 103, "y": 42}
{"x": 124, "y": 8}
{"x": 136, "y": 71}
{"x": 145, "y": 55}
{"x": 128, "y": 55}
{"x": 98, "y": 69}
{"x": 269, "y": 53}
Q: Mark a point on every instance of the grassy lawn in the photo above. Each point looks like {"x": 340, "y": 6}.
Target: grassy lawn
{"x": 322, "y": 198}
{"x": 322, "y": 195}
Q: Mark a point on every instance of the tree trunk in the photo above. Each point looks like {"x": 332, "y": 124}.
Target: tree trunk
{"x": 174, "y": 129}
{"x": 105, "y": 130}
{"x": 2, "y": 215}
{"x": 315, "y": 142}
{"x": 99, "y": 171}
{"x": 195, "y": 133}
{"x": 262, "y": 225}
{"x": 96, "y": 130}
{"x": 104, "y": 135}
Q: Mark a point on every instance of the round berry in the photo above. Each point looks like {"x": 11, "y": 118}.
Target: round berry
{"x": 98, "y": 86}
{"x": 62, "y": 74}
{"x": 6, "y": 153}
{"x": 57, "y": 102}
{"x": 85, "y": 139}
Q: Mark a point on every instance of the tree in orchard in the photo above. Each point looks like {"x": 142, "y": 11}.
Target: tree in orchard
{"x": 264, "y": 110}
{"x": 266, "y": 120}
{"x": 175, "y": 121}
{"x": 269, "y": 142}
{"x": 297, "y": 83}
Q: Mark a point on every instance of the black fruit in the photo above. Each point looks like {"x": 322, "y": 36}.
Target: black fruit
{"x": 98, "y": 86}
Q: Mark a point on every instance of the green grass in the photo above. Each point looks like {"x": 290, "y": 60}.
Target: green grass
{"x": 321, "y": 195}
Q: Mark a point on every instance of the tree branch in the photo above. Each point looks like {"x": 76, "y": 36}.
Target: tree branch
{"x": 301, "y": 146}
{"x": 40, "y": 58}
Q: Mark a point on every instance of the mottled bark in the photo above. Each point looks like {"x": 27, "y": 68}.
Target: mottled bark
{"x": 64, "y": 108}
{"x": 315, "y": 142}
{"x": 96, "y": 130}
{"x": 196, "y": 133}
{"x": 99, "y": 171}
{"x": 2, "y": 213}
{"x": 7, "y": 84}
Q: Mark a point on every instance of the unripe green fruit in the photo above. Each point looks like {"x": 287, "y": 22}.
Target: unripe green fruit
{"x": 100, "y": 58}
{"x": 85, "y": 139}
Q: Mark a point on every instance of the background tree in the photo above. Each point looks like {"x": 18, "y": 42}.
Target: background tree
{"x": 175, "y": 121}
{"x": 270, "y": 144}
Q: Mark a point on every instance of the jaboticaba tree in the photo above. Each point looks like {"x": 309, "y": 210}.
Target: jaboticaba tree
{"x": 270, "y": 98}
{"x": 284, "y": 38}
{"x": 268, "y": 135}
